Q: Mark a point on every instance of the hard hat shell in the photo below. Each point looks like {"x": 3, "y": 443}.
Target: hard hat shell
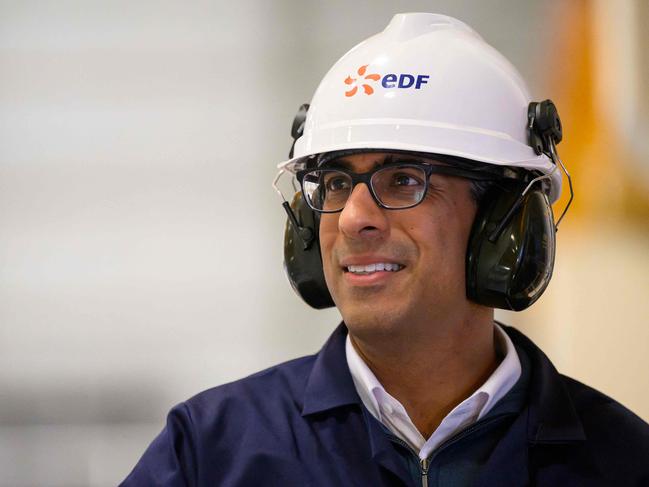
{"x": 427, "y": 83}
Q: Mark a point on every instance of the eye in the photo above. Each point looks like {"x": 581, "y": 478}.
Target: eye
{"x": 405, "y": 179}
{"x": 336, "y": 182}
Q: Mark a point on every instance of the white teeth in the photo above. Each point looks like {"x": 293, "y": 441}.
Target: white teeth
{"x": 370, "y": 268}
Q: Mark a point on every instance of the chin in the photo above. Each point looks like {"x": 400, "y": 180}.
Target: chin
{"x": 372, "y": 319}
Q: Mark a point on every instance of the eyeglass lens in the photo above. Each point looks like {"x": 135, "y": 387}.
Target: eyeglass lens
{"x": 394, "y": 187}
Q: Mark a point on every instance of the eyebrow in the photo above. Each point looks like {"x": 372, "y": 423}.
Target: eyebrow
{"x": 344, "y": 163}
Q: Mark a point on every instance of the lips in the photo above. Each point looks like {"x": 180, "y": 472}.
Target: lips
{"x": 369, "y": 268}
{"x": 365, "y": 269}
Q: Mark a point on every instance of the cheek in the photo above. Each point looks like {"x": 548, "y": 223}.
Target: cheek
{"x": 438, "y": 248}
{"x": 328, "y": 230}
{"x": 443, "y": 241}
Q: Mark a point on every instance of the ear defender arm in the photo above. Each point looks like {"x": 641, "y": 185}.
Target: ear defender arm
{"x": 544, "y": 131}
{"x": 305, "y": 233}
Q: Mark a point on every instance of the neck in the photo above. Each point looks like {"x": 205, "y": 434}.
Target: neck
{"x": 431, "y": 371}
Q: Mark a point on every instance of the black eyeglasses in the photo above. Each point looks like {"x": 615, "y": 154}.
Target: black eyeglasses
{"x": 394, "y": 186}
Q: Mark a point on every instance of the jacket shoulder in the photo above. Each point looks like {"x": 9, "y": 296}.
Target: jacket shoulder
{"x": 610, "y": 428}
{"x": 275, "y": 388}
{"x": 222, "y": 422}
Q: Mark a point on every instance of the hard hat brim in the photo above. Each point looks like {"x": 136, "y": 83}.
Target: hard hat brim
{"x": 469, "y": 143}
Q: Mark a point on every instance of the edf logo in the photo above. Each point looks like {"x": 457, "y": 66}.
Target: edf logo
{"x": 404, "y": 80}
{"x": 391, "y": 80}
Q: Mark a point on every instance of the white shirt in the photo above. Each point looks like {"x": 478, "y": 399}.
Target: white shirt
{"x": 393, "y": 415}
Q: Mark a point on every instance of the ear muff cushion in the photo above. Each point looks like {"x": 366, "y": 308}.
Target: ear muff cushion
{"x": 512, "y": 272}
{"x": 304, "y": 266}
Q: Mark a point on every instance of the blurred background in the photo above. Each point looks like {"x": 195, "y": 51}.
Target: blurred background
{"x": 141, "y": 241}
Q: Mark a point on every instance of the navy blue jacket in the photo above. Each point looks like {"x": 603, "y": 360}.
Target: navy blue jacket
{"x": 302, "y": 423}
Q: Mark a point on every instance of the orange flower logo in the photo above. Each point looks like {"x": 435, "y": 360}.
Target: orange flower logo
{"x": 354, "y": 82}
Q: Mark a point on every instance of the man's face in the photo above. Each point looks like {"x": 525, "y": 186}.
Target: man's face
{"x": 429, "y": 241}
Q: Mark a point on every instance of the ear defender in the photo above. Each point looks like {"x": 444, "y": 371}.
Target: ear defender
{"x": 510, "y": 269}
{"x": 511, "y": 248}
{"x": 510, "y": 256}
{"x": 302, "y": 259}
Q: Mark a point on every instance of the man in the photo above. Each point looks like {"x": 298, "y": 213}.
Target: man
{"x": 426, "y": 178}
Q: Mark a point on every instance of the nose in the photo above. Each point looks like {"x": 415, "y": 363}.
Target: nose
{"x": 362, "y": 218}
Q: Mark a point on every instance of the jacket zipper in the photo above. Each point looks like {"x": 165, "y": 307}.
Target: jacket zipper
{"x": 424, "y": 463}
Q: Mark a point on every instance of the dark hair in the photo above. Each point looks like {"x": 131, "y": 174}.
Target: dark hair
{"x": 479, "y": 189}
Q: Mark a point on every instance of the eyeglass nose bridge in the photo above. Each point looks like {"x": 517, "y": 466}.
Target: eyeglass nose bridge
{"x": 366, "y": 179}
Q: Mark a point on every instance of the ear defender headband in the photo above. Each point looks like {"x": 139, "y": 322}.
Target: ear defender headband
{"x": 511, "y": 249}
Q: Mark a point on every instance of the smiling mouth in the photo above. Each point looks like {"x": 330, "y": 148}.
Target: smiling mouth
{"x": 365, "y": 270}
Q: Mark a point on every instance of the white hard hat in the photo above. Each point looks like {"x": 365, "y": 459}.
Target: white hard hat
{"x": 427, "y": 83}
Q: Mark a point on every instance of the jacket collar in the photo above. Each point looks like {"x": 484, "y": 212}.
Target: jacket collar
{"x": 330, "y": 383}
{"x": 552, "y": 417}
{"x": 551, "y": 414}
